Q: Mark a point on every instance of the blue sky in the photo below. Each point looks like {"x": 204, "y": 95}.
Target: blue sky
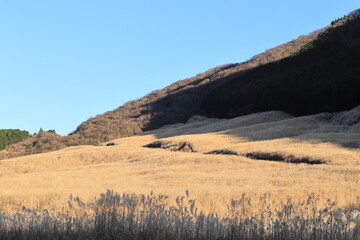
{"x": 62, "y": 62}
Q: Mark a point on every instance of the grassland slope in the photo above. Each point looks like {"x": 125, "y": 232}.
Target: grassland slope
{"x": 269, "y": 152}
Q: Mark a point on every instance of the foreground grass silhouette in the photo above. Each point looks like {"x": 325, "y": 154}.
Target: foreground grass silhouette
{"x": 131, "y": 216}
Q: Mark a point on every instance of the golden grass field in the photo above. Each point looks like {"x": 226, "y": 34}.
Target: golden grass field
{"x": 48, "y": 179}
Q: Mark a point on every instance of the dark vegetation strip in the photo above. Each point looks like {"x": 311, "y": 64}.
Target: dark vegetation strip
{"x": 222, "y": 152}
{"x": 269, "y": 157}
{"x": 281, "y": 158}
{"x": 176, "y": 147}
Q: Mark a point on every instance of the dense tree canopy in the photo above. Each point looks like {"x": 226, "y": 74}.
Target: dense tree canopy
{"x": 11, "y": 136}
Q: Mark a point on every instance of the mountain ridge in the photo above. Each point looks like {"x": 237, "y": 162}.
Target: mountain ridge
{"x": 180, "y": 100}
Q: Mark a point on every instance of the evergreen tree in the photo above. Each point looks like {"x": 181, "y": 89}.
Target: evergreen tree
{"x": 11, "y": 136}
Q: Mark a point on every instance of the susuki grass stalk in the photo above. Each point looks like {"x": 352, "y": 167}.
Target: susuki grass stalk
{"x": 130, "y": 216}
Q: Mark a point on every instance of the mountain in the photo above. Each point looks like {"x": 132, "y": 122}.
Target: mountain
{"x": 177, "y": 102}
{"x": 321, "y": 77}
{"x": 329, "y": 52}
{"x": 204, "y": 93}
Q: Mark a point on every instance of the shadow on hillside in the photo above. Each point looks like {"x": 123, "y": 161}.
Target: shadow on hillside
{"x": 273, "y": 125}
{"x": 177, "y": 102}
{"x": 180, "y": 103}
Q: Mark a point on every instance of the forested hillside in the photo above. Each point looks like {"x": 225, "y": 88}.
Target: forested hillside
{"x": 11, "y": 136}
{"x": 177, "y": 102}
{"x": 322, "y": 77}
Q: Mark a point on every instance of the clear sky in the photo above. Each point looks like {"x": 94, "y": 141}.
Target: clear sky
{"x": 62, "y": 62}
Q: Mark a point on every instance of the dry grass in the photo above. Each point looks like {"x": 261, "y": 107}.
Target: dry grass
{"x": 131, "y": 216}
{"x": 48, "y": 179}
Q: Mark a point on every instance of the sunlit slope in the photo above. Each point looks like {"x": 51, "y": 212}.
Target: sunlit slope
{"x": 178, "y": 160}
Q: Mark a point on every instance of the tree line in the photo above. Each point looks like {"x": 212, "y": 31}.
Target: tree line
{"x": 11, "y": 136}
